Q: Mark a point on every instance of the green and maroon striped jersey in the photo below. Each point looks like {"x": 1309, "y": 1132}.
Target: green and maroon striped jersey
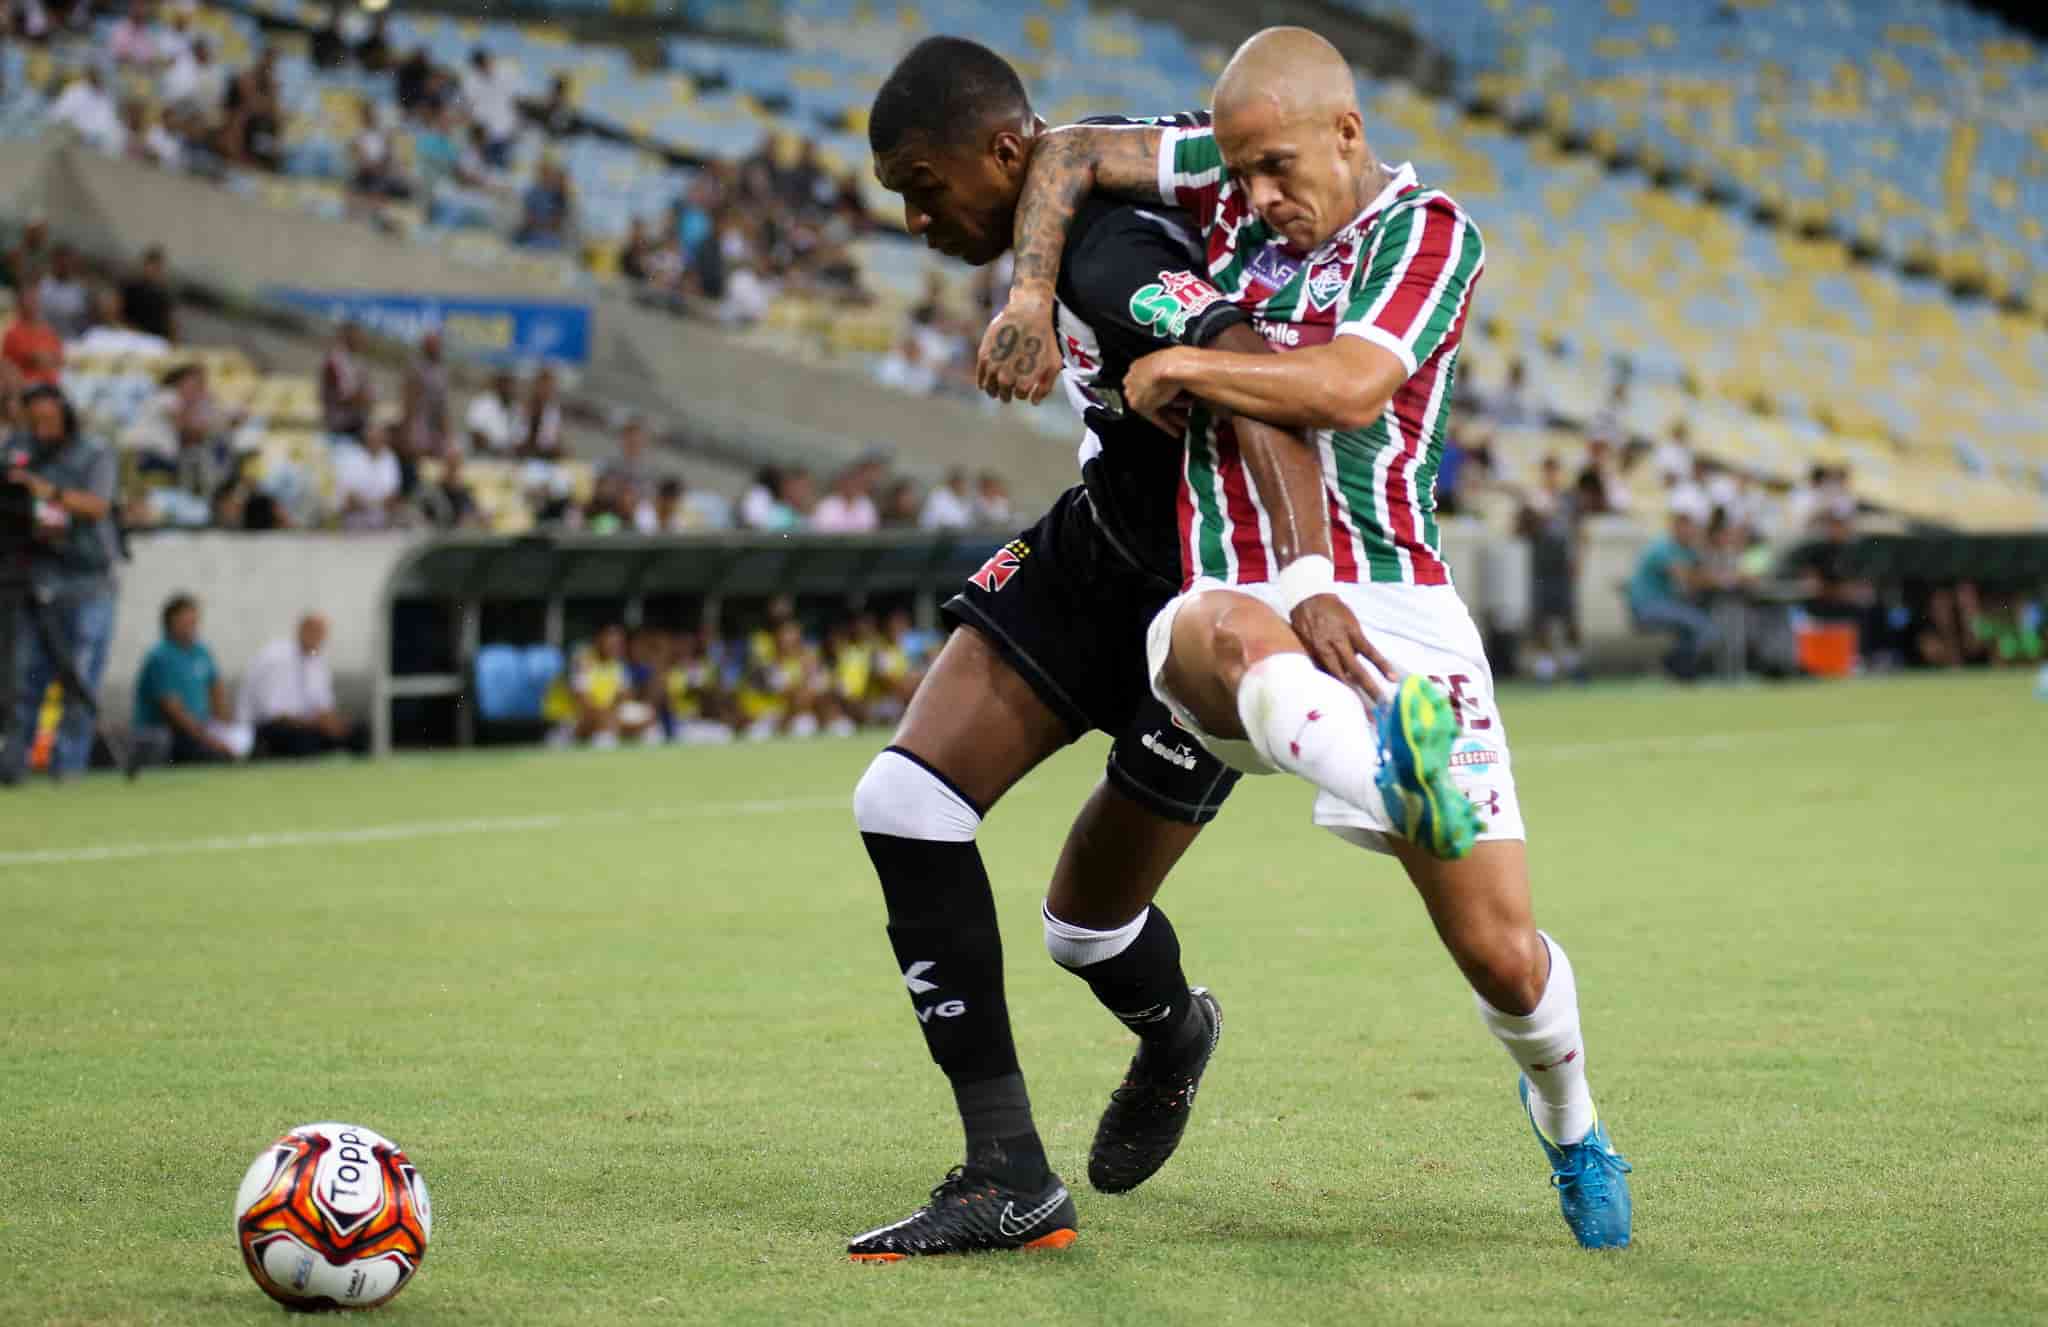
{"x": 1400, "y": 275}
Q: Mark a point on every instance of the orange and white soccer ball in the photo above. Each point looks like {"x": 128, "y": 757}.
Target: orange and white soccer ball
{"x": 332, "y": 1216}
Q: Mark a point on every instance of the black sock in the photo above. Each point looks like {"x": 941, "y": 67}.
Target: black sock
{"x": 1146, "y": 989}
{"x": 942, "y": 925}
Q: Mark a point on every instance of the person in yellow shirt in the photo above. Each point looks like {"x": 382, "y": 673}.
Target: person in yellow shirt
{"x": 593, "y": 700}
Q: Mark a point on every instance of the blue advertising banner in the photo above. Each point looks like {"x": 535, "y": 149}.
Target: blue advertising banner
{"x": 495, "y": 330}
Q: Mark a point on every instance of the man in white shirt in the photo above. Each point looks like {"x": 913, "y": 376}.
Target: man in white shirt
{"x": 950, "y": 506}
{"x": 195, "y": 85}
{"x": 288, "y": 696}
{"x": 85, "y": 106}
{"x": 110, "y": 333}
{"x": 491, "y": 90}
{"x": 367, "y": 479}
{"x": 492, "y": 421}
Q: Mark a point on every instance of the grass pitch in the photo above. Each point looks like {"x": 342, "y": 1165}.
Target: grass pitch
{"x": 635, "y": 1017}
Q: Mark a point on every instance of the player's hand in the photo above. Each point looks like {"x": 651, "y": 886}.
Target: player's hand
{"x": 1338, "y": 645}
{"x": 1152, "y": 385}
{"x": 1020, "y": 357}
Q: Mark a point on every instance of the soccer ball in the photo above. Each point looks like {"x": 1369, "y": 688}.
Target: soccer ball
{"x": 332, "y": 1216}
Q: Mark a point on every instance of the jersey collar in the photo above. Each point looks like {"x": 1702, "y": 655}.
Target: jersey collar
{"x": 1399, "y": 180}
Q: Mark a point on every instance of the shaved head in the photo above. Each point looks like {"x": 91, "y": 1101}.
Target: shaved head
{"x": 1295, "y": 70}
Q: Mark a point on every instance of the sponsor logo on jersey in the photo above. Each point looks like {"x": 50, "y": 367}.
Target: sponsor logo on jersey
{"x": 1279, "y": 334}
{"x": 1177, "y": 754}
{"x": 1001, "y": 565}
{"x": 1273, "y": 266}
{"x": 1470, "y": 754}
{"x": 1166, "y": 305}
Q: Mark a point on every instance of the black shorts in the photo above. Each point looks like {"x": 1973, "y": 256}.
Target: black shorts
{"x": 1068, "y": 611}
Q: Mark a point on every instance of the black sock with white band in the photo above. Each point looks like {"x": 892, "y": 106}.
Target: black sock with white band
{"x": 1135, "y": 972}
{"x": 919, "y": 832}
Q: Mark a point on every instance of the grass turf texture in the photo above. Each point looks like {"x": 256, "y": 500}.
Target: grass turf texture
{"x": 647, "y": 1043}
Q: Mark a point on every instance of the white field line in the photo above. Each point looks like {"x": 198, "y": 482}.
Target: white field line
{"x": 417, "y": 829}
{"x": 400, "y": 831}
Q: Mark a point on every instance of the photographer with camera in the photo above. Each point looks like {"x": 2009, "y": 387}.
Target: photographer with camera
{"x": 58, "y": 543}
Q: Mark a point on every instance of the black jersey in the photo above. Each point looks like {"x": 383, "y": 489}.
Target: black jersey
{"x": 1132, "y": 282}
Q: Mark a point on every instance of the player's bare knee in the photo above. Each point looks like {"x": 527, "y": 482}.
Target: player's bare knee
{"x": 1241, "y": 632}
{"x": 1508, "y": 967}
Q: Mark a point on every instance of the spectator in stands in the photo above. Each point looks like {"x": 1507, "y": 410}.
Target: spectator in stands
{"x": 373, "y": 52}
{"x": 901, "y": 506}
{"x": 547, "y": 208}
{"x": 31, "y": 254}
{"x": 761, "y": 506}
{"x": 29, "y": 20}
{"x": 181, "y": 702}
{"x": 556, "y": 114}
{"x": 950, "y": 506}
{"x": 368, "y": 480}
{"x": 413, "y": 83}
{"x": 490, "y": 90}
{"x": 1824, "y": 496}
{"x": 492, "y": 417}
{"x": 1549, "y": 520}
{"x": 145, "y": 138}
{"x": 632, "y": 466}
{"x": 147, "y": 302}
{"x": 186, "y": 432}
{"x": 30, "y": 343}
{"x": 992, "y": 502}
{"x": 287, "y": 698}
{"x": 906, "y": 369}
{"x": 1610, "y": 421}
{"x": 346, "y": 393}
{"x": 1690, "y": 494}
{"x": 133, "y": 41}
{"x": 328, "y": 48}
{"x": 241, "y": 503}
{"x": 1664, "y": 595}
{"x": 799, "y": 496}
{"x": 1513, "y": 406}
{"x": 112, "y": 334}
{"x": 253, "y": 127}
{"x": 1673, "y": 457}
{"x": 540, "y": 424}
{"x": 1601, "y": 465}
{"x": 86, "y": 108}
{"x": 66, "y": 300}
{"x": 449, "y": 502}
{"x": 613, "y": 505}
{"x": 636, "y": 251}
{"x": 850, "y": 507}
{"x": 423, "y": 425}
{"x": 372, "y": 159}
{"x": 195, "y": 85}
{"x": 669, "y": 512}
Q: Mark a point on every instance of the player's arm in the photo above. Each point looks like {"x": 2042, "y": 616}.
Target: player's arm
{"x": 1287, "y": 472}
{"x": 1408, "y": 293}
{"x": 1019, "y": 359}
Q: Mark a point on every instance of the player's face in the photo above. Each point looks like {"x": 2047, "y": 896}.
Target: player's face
{"x": 1299, "y": 171}
{"x": 959, "y": 199}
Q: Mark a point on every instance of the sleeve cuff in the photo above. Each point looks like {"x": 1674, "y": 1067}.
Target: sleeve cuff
{"x": 1169, "y": 144}
{"x": 1385, "y": 340}
{"x": 1207, "y": 325}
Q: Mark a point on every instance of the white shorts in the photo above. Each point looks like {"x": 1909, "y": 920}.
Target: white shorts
{"x": 1422, "y": 629}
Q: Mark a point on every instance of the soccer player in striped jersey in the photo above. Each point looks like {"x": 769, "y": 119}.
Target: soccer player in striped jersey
{"x": 1362, "y": 278}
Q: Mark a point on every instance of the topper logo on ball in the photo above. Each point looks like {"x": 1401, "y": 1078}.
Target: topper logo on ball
{"x": 349, "y": 1181}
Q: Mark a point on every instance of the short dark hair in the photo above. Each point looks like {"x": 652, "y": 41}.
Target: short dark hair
{"x": 175, "y": 605}
{"x": 944, "y": 89}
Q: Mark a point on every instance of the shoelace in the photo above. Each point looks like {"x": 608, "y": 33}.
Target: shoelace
{"x": 1595, "y": 1164}
{"x": 956, "y": 1183}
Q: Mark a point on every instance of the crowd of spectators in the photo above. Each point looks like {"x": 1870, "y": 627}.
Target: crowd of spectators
{"x": 743, "y": 232}
{"x": 654, "y": 685}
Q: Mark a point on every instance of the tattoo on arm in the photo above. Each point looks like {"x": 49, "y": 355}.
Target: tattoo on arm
{"x": 1010, "y": 342}
{"x": 1067, "y": 165}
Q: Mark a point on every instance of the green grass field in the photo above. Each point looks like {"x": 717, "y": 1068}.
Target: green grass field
{"x": 634, "y": 1015}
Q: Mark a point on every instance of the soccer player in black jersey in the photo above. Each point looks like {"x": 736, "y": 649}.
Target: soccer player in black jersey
{"x": 1051, "y": 645}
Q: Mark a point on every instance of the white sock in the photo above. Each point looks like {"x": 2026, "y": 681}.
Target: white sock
{"x": 1308, "y": 723}
{"x": 1546, "y": 1043}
